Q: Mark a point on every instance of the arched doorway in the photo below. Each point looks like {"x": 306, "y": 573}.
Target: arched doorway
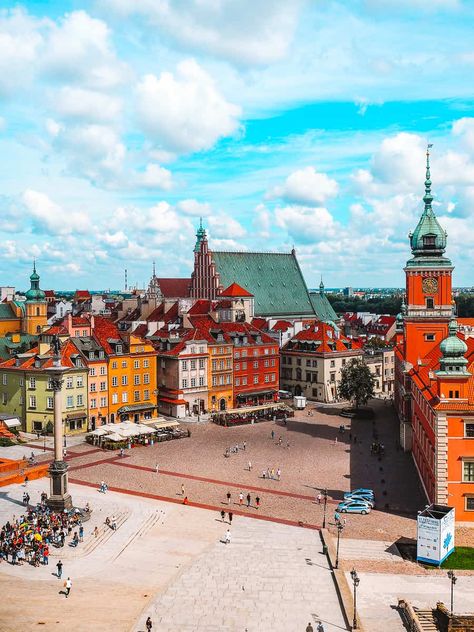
{"x": 297, "y": 390}
{"x": 222, "y": 404}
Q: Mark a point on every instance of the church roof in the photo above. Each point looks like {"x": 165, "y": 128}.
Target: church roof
{"x": 236, "y": 290}
{"x": 274, "y": 278}
{"x": 6, "y": 312}
{"x": 322, "y": 307}
{"x": 175, "y": 288}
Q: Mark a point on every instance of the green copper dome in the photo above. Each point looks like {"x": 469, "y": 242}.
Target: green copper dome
{"x": 453, "y": 350}
{"x": 35, "y": 293}
{"x": 200, "y": 235}
{"x": 428, "y": 239}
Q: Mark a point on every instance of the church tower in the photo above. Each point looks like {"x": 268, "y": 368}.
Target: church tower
{"x": 428, "y": 283}
{"x": 36, "y": 315}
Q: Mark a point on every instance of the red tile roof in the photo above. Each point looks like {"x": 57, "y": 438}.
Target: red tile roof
{"x": 324, "y": 334}
{"x": 201, "y": 307}
{"x": 236, "y": 290}
{"x": 282, "y": 325}
{"x": 259, "y": 323}
{"x": 175, "y": 288}
{"x": 82, "y": 294}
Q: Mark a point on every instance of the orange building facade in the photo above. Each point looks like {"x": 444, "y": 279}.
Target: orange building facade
{"x": 434, "y": 372}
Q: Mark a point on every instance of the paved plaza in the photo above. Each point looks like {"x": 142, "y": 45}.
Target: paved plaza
{"x": 167, "y": 560}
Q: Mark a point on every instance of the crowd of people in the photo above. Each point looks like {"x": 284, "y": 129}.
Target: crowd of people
{"x": 28, "y": 538}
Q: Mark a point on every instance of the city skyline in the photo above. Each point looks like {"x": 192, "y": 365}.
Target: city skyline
{"x": 296, "y": 125}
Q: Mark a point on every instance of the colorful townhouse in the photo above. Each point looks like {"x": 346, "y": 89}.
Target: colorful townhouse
{"x": 131, "y": 373}
{"x": 311, "y": 362}
{"x": 96, "y": 362}
{"x": 434, "y": 372}
{"x": 26, "y": 389}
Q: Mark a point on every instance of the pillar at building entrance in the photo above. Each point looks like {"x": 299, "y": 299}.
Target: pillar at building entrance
{"x": 59, "y": 498}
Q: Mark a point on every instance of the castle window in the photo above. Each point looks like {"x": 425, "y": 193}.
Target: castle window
{"x": 468, "y": 472}
{"x": 469, "y": 431}
{"x": 470, "y": 503}
{"x": 37, "y": 311}
{"x": 429, "y": 303}
{"x": 429, "y": 337}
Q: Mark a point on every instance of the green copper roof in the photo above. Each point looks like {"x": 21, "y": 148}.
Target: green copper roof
{"x": 274, "y": 278}
{"x": 6, "y": 312}
{"x": 7, "y": 347}
{"x": 34, "y": 293}
{"x": 428, "y": 240}
{"x": 322, "y": 307}
{"x": 453, "y": 350}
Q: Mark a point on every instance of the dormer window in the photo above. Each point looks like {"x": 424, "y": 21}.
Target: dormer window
{"x": 118, "y": 349}
{"x": 429, "y": 241}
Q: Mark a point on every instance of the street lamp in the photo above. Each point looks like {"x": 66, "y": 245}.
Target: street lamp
{"x": 340, "y": 528}
{"x": 325, "y": 507}
{"x": 355, "y": 581}
{"x": 453, "y": 580}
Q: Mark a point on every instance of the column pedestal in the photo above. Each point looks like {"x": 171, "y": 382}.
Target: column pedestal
{"x": 59, "y": 498}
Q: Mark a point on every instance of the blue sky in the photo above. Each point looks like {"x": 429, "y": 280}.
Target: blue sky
{"x": 281, "y": 124}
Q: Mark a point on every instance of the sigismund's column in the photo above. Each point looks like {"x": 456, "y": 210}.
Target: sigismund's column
{"x": 59, "y": 498}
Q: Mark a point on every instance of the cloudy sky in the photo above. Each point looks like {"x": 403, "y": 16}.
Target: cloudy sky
{"x": 280, "y": 123}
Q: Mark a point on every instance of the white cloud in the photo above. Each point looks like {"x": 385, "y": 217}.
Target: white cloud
{"x": 20, "y": 43}
{"x": 86, "y": 105}
{"x": 193, "y": 207}
{"x": 247, "y": 32}
{"x": 184, "y": 112}
{"x": 155, "y": 177}
{"x": 306, "y": 224}
{"x": 79, "y": 50}
{"x": 49, "y": 217}
{"x": 307, "y": 187}
{"x": 225, "y": 227}
{"x": 70, "y": 268}
{"x": 262, "y": 221}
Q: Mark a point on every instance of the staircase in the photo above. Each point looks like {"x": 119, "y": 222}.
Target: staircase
{"x": 426, "y": 620}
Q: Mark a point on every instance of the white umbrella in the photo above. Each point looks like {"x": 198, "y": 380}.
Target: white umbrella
{"x": 114, "y": 436}
{"x": 99, "y": 431}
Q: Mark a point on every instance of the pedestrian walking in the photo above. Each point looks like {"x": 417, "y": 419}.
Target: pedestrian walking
{"x": 241, "y": 498}
{"x": 273, "y": 474}
{"x": 68, "y": 586}
{"x": 248, "y": 499}
{"x": 337, "y": 517}
{"x": 278, "y": 474}
{"x": 182, "y": 489}
{"x": 250, "y": 466}
{"x": 227, "y": 537}
{"x": 231, "y": 515}
{"x": 222, "y": 515}
{"x": 59, "y": 571}
{"x": 148, "y": 624}
{"x": 26, "y": 480}
{"x": 81, "y": 533}
{"x": 320, "y": 627}
{"x": 309, "y": 627}
{"x": 257, "y": 502}
{"x": 96, "y": 532}
{"x": 244, "y": 445}
{"x": 156, "y": 468}
{"x": 273, "y": 434}
{"x": 185, "y": 501}
{"x": 280, "y": 440}
{"x": 228, "y": 498}
{"x": 335, "y": 441}
{"x": 319, "y": 498}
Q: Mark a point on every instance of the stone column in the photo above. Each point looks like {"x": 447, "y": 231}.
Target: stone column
{"x": 59, "y": 498}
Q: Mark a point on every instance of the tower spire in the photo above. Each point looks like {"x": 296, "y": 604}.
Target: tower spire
{"x": 154, "y": 270}
{"x": 428, "y": 198}
{"x": 321, "y": 286}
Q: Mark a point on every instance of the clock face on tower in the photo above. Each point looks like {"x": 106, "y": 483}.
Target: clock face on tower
{"x": 430, "y": 285}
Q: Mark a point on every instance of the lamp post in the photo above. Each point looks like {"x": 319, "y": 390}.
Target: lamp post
{"x": 355, "y": 581}
{"x": 325, "y": 507}
{"x": 340, "y": 528}
{"x": 59, "y": 498}
{"x": 453, "y": 580}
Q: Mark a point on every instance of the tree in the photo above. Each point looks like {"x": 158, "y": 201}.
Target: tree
{"x": 357, "y": 382}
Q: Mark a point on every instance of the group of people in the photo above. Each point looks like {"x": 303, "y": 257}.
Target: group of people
{"x": 248, "y": 498}
{"x": 235, "y": 449}
{"x": 28, "y": 538}
{"x": 272, "y": 474}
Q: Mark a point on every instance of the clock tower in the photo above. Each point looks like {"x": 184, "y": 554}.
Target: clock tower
{"x": 428, "y": 283}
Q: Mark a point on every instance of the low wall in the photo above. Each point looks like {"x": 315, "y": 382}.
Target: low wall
{"x": 18, "y": 476}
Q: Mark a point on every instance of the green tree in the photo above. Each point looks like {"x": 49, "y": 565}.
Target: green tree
{"x": 357, "y": 382}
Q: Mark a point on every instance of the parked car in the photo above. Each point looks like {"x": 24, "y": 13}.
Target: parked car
{"x": 365, "y": 499}
{"x": 284, "y": 395}
{"x": 354, "y": 506}
{"x": 360, "y": 492}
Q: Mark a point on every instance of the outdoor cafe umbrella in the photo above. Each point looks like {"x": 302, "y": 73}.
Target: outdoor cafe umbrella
{"x": 114, "y": 436}
{"x": 99, "y": 431}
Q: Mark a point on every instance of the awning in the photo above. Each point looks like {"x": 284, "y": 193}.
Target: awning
{"x": 135, "y": 407}
{"x": 257, "y": 393}
{"x": 72, "y": 416}
{"x": 13, "y": 422}
{"x": 166, "y": 424}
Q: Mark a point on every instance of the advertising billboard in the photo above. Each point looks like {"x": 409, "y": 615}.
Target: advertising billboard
{"x": 435, "y": 534}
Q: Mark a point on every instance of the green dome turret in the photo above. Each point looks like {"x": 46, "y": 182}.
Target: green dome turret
{"x": 35, "y": 293}
{"x": 453, "y": 350}
{"x": 200, "y": 236}
{"x": 428, "y": 239}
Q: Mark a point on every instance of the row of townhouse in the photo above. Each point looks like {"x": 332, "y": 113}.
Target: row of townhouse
{"x": 111, "y": 378}
{"x": 215, "y": 367}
